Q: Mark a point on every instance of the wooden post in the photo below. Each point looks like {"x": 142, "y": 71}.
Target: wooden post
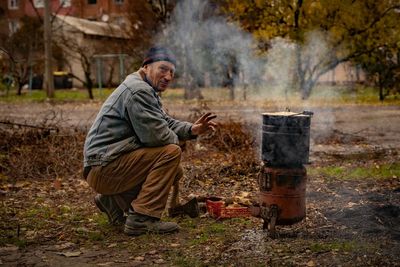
{"x": 48, "y": 80}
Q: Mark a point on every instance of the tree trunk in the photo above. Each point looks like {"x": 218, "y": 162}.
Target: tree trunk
{"x": 48, "y": 77}
{"x": 299, "y": 68}
{"x": 381, "y": 87}
{"x": 231, "y": 92}
{"x": 19, "y": 89}
{"x": 89, "y": 84}
{"x": 192, "y": 90}
{"x": 307, "y": 87}
{"x": 245, "y": 92}
{"x": 381, "y": 95}
{"x": 305, "y": 92}
{"x": 110, "y": 77}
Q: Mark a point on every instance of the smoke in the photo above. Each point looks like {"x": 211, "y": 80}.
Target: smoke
{"x": 205, "y": 43}
{"x": 213, "y": 52}
{"x": 280, "y": 68}
{"x": 281, "y": 78}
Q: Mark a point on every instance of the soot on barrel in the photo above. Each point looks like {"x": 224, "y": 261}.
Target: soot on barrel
{"x": 286, "y": 138}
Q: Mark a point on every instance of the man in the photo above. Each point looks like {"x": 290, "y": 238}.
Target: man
{"x": 132, "y": 154}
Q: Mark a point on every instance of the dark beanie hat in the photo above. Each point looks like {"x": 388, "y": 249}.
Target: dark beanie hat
{"x": 158, "y": 53}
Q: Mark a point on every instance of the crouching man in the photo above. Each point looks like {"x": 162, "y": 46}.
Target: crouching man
{"x": 131, "y": 152}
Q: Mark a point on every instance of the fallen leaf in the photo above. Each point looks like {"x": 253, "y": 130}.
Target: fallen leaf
{"x": 113, "y": 245}
{"x": 139, "y": 258}
{"x": 57, "y": 184}
{"x": 121, "y": 261}
{"x": 70, "y": 253}
{"x": 174, "y": 245}
{"x": 351, "y": 204}
{"x": 311, "y": 263}
{"x": 64, "y": 245}
{"x": 106, "y": 263}
{"x": 82, "y": 230}
{"x": 31, "y": 234}
{"x": 159, "y": 261}
{"x": 152, "y": 252}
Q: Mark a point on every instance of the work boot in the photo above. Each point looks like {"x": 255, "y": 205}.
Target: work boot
{"x": 138, "y": 224}
{"x": 108, "y": 205}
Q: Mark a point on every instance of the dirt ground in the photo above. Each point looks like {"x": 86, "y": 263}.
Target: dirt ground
{"x": 351, "y": 220}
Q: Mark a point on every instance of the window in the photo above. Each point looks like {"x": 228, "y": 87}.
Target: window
{"x": 13, "y": 26}
{"x": 38, "y": 3}
{"x": 13, "y": 4}
{"x": 119, "y": 2}
{"x": 65, "y": 3}
{"x": 92, "y": 2}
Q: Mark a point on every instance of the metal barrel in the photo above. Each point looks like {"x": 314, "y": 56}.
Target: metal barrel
{"x": 286, "y": 138}
{"x": 286, "y": 189}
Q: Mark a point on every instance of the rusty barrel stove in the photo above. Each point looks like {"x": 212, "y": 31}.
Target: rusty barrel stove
{"x": 282, "y": 181}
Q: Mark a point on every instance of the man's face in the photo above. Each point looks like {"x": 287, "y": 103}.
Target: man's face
{"x": 160, "y": 74}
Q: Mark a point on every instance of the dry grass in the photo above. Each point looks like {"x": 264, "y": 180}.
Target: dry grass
{"x": 53, "y": 152}
{"x": 27, "y": 153}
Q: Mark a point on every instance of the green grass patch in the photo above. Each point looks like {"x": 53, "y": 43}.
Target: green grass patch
{"x": 345, "y": 246}
{"x": 216, "y": 228}
{"x": 100, "y": 219}
{"x": 383, "y": 171}
{"x": 210, "y": 232}
{"x": 63, "y": 95}
{"x": 189, "y": 223}
{"x": 19, "y": 242}
{"x": 39, "y": 212}
{"x": 182, "y": 261}
{"x": 96, "y": 236}
{"x": 200, "y": 239}
{"x": 321, "y": 95}
{"x": 357, "y": 94}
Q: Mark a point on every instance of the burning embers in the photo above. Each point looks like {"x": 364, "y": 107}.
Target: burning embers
{"x": 282, "y": 181}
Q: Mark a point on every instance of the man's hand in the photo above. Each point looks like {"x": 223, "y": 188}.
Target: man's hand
{"x": 204, "y": 124}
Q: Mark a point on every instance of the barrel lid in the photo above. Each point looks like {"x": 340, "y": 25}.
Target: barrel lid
{"x": 284, "y": 113}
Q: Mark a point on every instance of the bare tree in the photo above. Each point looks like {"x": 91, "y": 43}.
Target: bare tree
{"x": 162, "y": 9}
{"x": 24, "y": 53}
{"x": 74, "y": 51}
{"x": 80, "y": 48}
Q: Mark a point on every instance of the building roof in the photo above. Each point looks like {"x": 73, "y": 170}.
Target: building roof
{"x": 97, "y": 28}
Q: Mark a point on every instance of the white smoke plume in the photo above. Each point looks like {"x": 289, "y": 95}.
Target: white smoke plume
{"x": 205, "y": 43}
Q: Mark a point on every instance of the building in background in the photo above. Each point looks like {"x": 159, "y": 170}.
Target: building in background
{"x": 102, "y": 24}
{"x": 110, "y": 11}
{"x": 92, "y": 47}
{"x": 343, "y": 74}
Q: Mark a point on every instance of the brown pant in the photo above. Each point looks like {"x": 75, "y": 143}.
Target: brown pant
{"x": 141, "y": 178}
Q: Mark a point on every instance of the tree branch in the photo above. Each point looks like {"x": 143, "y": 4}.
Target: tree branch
{"x": 36, "y": 11}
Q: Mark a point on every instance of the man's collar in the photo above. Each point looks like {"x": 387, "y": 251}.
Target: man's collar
{"x": 144, "y": 77}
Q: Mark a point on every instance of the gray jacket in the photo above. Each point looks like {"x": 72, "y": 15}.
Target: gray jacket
{"x": 131, "y": 117}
